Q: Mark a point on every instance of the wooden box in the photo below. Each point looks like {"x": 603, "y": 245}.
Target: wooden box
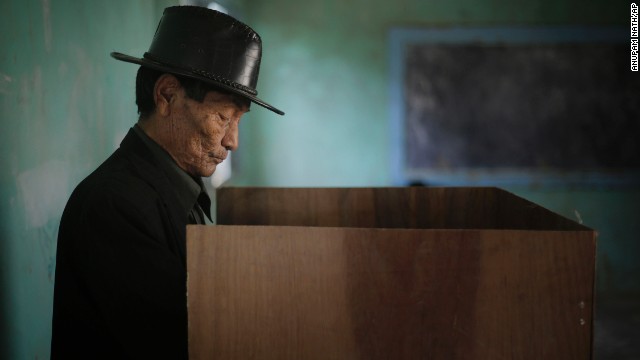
{"x": 388, "y": 273}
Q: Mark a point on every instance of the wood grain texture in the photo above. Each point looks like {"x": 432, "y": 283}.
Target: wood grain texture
{"x": 410, "y": 208}
{"x": 290, "y": 292}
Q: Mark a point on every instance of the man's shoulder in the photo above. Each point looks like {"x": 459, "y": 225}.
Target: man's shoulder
{"x": 119, "y": 178}
{"x": 129, "y": 182}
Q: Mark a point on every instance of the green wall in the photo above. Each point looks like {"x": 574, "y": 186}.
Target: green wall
{"x": 65, "y": 105}
{"x": 325, "y": 64}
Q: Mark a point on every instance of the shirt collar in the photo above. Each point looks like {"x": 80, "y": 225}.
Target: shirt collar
{"x": 187, "y": 187}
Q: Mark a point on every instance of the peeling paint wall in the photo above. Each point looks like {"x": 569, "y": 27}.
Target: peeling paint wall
{"x": 65, "y": 105}
{"x": 326, "y": 65}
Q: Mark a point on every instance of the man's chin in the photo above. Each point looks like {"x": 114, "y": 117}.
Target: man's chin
{"x": 203, "y": 171}
{"x": 208, "y": 171}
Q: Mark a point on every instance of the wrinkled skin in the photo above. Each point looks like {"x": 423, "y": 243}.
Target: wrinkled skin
{"x": 198, "y": 136}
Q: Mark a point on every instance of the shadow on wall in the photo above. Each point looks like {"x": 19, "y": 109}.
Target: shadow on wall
{"x": 617, "y": 330}
{"x": 4, "y": 344}
{"x": 4, "y": 267}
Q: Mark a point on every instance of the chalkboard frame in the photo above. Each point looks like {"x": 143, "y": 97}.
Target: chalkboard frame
{"x": 402, "y": 174}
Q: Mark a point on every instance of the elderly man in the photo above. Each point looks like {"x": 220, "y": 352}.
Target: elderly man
{"x": 120, "y": 288}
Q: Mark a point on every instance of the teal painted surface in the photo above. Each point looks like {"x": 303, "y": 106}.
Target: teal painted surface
{"x": 65, "y": 105}
{"x": 325, "y": 64}
{"x": 615, "y": 216}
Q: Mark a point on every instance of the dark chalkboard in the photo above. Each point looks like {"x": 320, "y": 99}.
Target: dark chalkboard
{"x": 563, "y": 106}
{"x": 524, "y": 106}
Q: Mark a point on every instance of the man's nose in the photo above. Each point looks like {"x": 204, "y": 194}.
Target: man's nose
{"x": 230, "y": 139}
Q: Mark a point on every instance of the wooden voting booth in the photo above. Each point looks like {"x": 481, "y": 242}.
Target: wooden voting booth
{"x": 388, "y": 273}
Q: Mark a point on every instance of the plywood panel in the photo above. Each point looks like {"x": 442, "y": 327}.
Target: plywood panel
{"x": 342, "y": 293}
{"x": 408, "y": 207}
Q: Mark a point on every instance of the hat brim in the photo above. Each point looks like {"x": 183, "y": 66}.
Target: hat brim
{"x": 185, "y": 72}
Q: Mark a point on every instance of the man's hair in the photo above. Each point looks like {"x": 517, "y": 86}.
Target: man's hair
{"x": 146, "y": 81}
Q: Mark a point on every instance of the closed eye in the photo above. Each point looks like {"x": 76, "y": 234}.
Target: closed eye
{"x": 224, "y": 118}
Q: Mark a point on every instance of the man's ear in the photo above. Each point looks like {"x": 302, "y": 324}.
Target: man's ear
{"x": 164, "y": 93}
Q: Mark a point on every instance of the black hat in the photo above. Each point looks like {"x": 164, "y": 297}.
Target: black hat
{"x": 206, "y": 45}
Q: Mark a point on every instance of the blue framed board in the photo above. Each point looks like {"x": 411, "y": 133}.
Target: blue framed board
{"x": 513, "y": 106}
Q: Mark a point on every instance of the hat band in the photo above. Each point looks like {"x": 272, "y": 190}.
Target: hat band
{"x": 208, "y": 75}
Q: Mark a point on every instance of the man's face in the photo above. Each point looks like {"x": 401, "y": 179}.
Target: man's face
{"x": 202, "y": 134}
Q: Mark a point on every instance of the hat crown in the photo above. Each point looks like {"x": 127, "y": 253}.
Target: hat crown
{"x": 208, "y": 43}
{"x": 209, "y": 46}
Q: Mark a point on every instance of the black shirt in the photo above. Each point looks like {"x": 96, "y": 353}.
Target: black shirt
{"x": 191, "y": 190}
